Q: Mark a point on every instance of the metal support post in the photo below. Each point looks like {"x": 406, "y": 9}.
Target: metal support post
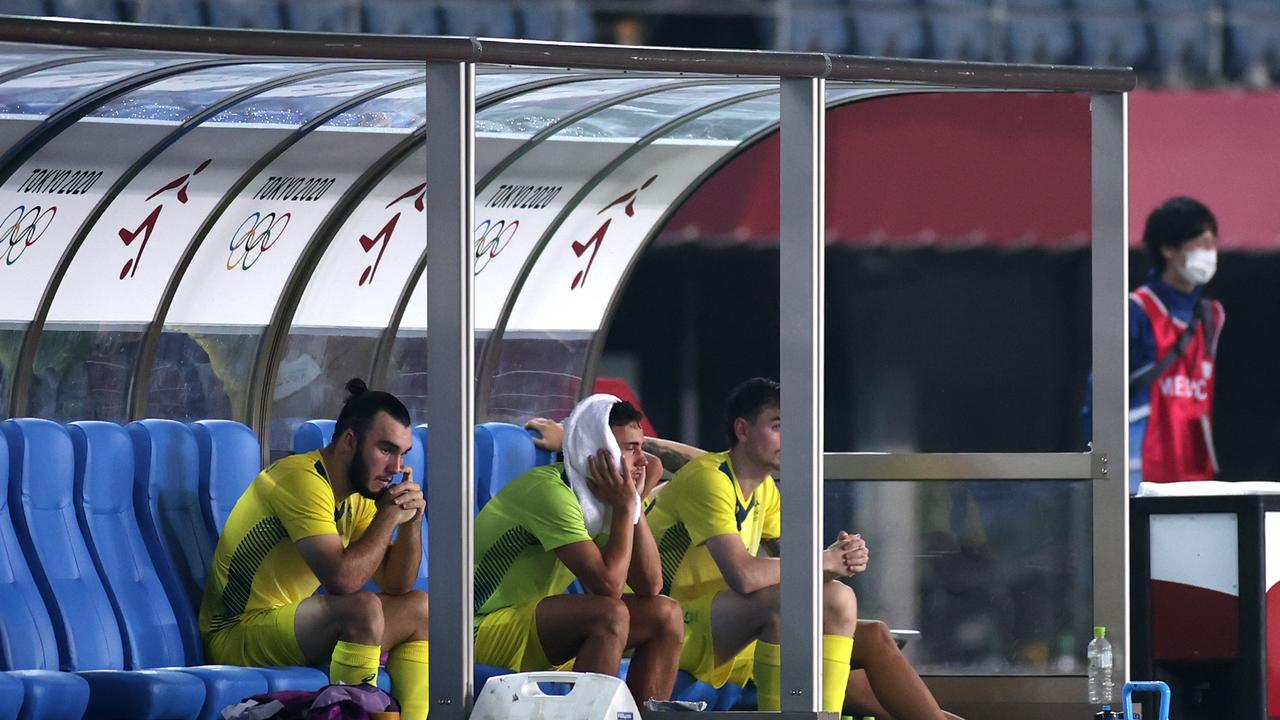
{"x": 801, "y": 253}
{"x": 1110, "y": 279}
{"x": 450, "y": 384}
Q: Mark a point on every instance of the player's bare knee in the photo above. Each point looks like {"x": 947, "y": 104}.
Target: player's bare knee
{"x": 360, "y": 615}
{"x": 839, "y": 608}
{"x": 874, "y": 637}
{"x": 608, "y": 616}
{"x": 768, "y": 609}
{"x": 669, "y": 617}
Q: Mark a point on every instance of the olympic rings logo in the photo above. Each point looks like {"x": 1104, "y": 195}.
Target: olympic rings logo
{"x": 22, "y": 228}
{"x": 491, "y": 238}
{"x": 256, "y": 235}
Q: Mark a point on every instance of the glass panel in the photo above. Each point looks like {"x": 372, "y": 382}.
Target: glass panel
{"x": 516, "y": 209}
{"x": 202, "y": 373}
{"x": 958, "y": 290}
{"x": 84, "y": 372}
{"x": 168, "y": 199}
{"x": 10, "y": 341}
{"x": 407, "y": 372}
{"x": 498, "y": 79}
{"x": 632, "y": 119}
{"x": 358, "y": 281}
{"x": 177, "y": 98}
{"x": 42, "y": 93}
{"x": 350, "y": 297}
{"x": 403, "y": 109}
{"x": 312, "y": 379}
{"x": 996, "y": 576}
{"x": 297, "y": 103}
{"x": 526, "y": 114}
{"x": 575, "y": 277}
{"x": 251, "y": 251}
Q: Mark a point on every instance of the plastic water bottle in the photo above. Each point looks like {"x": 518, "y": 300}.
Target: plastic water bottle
{"x": 1101, "y": 689}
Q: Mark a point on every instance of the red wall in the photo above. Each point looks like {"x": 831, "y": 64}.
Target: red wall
{"x": 1007, "y": 170}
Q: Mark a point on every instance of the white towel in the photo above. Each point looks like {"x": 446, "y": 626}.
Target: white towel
{"x": 586, "y": 432}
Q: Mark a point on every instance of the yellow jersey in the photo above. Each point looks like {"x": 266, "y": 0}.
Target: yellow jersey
{"x": 517, "y": 533}
{"x": 702, "y": 501}
{"x": 256, "y": 565}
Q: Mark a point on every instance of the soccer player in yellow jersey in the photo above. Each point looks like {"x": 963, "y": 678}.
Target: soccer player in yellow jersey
{"x": 328, "y": 518}
{"x": 532, "y": 540}
{"x": 710, "y": 520}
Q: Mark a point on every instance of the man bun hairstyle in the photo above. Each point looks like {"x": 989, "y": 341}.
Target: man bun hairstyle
{"x": 1178, "y": 220}
{"x": 363, "y": 405}
{"x": 748, "y": 400}
{"x": 624, "y": 413}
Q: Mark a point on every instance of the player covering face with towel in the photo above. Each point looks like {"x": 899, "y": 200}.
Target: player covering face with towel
{"x": 579, "y": 519}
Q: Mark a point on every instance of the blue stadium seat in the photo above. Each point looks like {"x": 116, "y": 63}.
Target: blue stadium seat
{"x": 41, "y": 492}
{"x": 167, "y": 500}
{"x": 888, "y": 32}
{"x": 1107, "y": 5}
{"x": 960, "y": 35}
{"x": 229, "y": 459}
{"x": 552, "y": 21}
{"x": 480, "y": 18}
{"x": 817, "y": 28}
{"x": 397, "y": 17}
{"x": 1181, "y": 47}
{"x": 35, "y": 8}
{"x": 322, "y": 15}
{"x": 11, "y": 694}
{"x": 1040, "y": 39}
{"x": 1253, "y": 46}
{"x": 29, "y": 651}
{"x": 503, "y": 452}
{"x": 312, "y": 435}
{"x": 245, "y": 14}
{"x": 164, "y": 12}
{"x": 1113, "y": 39}
{"x": 87, "y": 9}
{"x": 104, "y": 498}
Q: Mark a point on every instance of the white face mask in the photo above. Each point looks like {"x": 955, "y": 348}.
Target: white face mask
{"x": 1200, "y": 267}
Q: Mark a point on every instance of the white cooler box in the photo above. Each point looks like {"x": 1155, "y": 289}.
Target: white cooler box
{"x": 518, "y": 697}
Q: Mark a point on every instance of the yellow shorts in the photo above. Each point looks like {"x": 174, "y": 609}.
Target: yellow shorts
{"x": 508, "y": 637}
{"x": 260, "y": 639}
{"x": 698, "y": 657}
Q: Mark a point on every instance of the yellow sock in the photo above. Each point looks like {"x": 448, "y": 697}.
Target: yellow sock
{"x": 837, "y": 652}
{"x": 407, "y": 666}
{"x": 353, "y": 663}
{"x": 768, "y": 673}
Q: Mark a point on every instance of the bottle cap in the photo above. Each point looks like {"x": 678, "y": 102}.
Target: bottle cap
{"x": 1099, "y": 631}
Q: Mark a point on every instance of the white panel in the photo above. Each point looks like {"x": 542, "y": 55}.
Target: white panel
{"x": 1200, "y": 550}
{"x": 415, "y": 313}
{"x": 1271, "y": 541}
{"x": 575, "y": 276}
{"x": 111, "y": 281}
{"x": 44, "y": 203}
{"x": 514, "y": 211}
{"x": 243, "y": 263}
{"x": 359, "y": 280}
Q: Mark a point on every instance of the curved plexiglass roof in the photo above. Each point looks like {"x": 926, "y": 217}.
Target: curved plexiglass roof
{"x": 184, "y": 233}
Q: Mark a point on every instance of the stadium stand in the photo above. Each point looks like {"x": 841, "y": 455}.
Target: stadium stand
{"x": 1171, "y": 42}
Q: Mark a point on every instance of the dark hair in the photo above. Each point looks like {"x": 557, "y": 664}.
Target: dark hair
{"x": 748, "y": 400}
{"x": 1178, "y": 220}
{"x": 624, "y": 413}
{"x": 363, "y": 405}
